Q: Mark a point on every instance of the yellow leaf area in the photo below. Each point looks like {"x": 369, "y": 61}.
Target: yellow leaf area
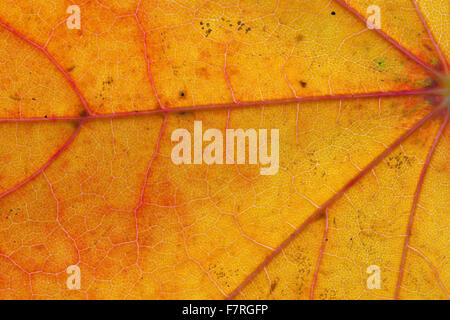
{"x": 87, "y": 179}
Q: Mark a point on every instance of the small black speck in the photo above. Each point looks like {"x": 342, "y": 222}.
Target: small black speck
{"x": 45, "y": 116}
{"x": 201, "y": 22}
{"x": 333, "y": 13}
{"x": 303, "y": 84}
{"x": 182, "y": 94}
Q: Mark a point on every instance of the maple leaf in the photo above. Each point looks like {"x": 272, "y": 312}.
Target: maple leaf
{"x": 86, "y": 177}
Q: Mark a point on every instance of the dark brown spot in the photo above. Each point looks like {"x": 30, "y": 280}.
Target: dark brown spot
{"x": 273, "y": 286}
{"x": 431, "y": 83}
{"x": 108, "y": 81}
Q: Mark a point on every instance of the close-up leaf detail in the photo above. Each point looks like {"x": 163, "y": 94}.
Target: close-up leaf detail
{"x": 87, "y": 179}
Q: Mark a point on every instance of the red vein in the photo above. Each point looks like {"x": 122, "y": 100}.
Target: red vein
{"x": 333, "y": 199}
{"x": 61, "y": 69}
{"x": 430, "y": 34}
{"x": 319, "y": 260}
{"x": 236, "y": 105}
{"x": 416, "y": 198}
{"x": 49, "y": 162}
{"x": 391, "y": 40}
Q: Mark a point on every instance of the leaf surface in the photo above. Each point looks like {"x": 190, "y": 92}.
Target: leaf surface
{"x": 86, "y": 176}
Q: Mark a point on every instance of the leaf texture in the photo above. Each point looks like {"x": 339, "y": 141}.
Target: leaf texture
{"x": 86, "y": 176}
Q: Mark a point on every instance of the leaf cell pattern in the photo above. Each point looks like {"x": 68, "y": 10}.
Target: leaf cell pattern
{"x": 86, "y": 176}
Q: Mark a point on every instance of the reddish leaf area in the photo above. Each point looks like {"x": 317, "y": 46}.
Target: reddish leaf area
{"x": 147, "y": 228}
